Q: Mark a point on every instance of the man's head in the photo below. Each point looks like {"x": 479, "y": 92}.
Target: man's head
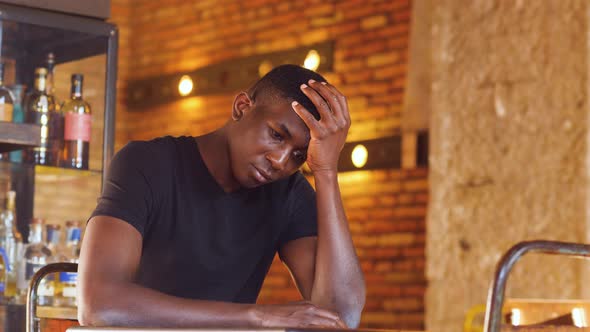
{"x": 267, "y": 139}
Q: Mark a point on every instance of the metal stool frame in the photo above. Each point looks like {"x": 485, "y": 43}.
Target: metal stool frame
{"x": 31, "y": 307}
{"x": 495, "y": 301}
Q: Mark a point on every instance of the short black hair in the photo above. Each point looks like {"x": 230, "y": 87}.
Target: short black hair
{"x": 286, "y": 80}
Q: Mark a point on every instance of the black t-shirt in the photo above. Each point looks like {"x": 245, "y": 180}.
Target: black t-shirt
{"x": 198, "y": 241}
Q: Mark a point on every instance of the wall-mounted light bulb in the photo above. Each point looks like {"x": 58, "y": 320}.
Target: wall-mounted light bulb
{"x": 516, "y": 316}
{"x": 579, "y": 317}
{"x": 359, "y": 156}
{"x": 312, "y": 60}
{"x": 185, "y": 85}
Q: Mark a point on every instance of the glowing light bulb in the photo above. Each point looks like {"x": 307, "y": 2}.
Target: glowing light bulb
{"x": 579, "y": 317}
{"x": 185, "y": 85}
{"x": 312, "y": 60}
{"x": 359, "y": 156}
{"x": 516, "y": 317}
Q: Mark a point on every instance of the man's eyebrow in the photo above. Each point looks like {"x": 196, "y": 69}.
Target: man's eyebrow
{"x": 285, "y": 130}
{"x": 288, "y": 133}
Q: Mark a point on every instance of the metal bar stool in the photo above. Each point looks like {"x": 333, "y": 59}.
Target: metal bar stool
{"x": 495, "y": 301}
{"x": 32, "y": 320}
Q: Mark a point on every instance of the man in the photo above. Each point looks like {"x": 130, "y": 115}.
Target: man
{"x": 186, "y": 228}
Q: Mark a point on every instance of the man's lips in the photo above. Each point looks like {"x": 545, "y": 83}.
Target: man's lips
{"x": 261, "y": 175}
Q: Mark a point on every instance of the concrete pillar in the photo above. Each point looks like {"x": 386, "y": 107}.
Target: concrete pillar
{"x": 509, "y": 148}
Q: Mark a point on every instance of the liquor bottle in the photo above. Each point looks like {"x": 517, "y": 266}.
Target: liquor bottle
{"x": 38, "y": 255}
{"x": 18, "y": 116}
{"x": 50, "y": 90}
{"x": 3, "y": 259}
{"x": 40, "y": 110}
{"x": 6, "y": 105}
{"x": 9, "y": 240}
{"x": 50, "y": 86}
{"x": 6, "y": 99}
{"x": 77, "y": 130}
{"x": 52, "y": 239}
{"x": 21, "y": 279}
{"x": 66, "y": 286}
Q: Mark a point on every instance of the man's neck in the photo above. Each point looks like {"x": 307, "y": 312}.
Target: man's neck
{"x": 214, "y": 152}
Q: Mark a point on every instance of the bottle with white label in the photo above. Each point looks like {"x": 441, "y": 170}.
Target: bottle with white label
{"x": 38, "y": 255}
{"x": 78, "y": 121}
{"x": 66, "y": 291}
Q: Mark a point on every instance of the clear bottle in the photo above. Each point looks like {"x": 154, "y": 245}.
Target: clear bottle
{"x": 10, "y": 238}
{"x": 37, "y": 255}
{"x": 18, "y": 116}
{"x": 78, "y": 120}
{"x": 66, "y": 291}
{"x": 3, "y": 258}
{"x": 40, "y": 109}
{"x": 6, "y": 105}
{"x": 21, "y": 280}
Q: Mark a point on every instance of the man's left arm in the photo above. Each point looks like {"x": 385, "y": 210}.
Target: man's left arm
{"x": 326, "y": 269}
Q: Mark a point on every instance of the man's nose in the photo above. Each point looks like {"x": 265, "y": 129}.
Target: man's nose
{"x": 279, "y": 158}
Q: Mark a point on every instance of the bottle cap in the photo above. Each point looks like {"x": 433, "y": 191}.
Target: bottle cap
{"x": 41, "y": 71}
{"x": 78, "y": 77}
{"x": 37, "y": 221}
{"x": 72, "y": 223}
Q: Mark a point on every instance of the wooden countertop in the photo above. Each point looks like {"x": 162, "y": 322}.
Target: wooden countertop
{"x": 119, "y": 329}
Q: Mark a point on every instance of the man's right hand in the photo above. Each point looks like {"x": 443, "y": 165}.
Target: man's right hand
{"x": 297, "y": 314}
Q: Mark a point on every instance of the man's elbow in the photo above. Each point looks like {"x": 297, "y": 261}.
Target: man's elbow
{"x": 91, "y": 311}
{"x": 88, "y": 315}
{"x": 351, "y": 312}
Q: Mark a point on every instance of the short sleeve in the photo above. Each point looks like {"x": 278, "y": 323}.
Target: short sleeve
{"x": 127, "y": 193}
{"x": 301, "y": 211}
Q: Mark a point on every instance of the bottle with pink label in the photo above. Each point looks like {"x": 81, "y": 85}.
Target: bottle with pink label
{"x": 77, "y": 131}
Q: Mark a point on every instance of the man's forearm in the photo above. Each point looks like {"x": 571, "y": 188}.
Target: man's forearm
{"x": 338, "y": 282}
{"x": 128, "y": 304}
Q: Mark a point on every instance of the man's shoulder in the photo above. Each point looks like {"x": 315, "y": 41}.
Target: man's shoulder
{"x": 157, "y": 153}
{"x": 159, "y": 145}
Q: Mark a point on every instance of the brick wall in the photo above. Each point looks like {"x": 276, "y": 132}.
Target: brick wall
{"x": 386, "y": 208}
{"x": 386, "y": 211}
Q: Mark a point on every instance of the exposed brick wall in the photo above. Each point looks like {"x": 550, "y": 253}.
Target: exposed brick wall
{"x": 386, "y": 212}
{"x": 386, "y": 209}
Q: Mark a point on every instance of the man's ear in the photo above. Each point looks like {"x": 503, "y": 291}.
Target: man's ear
{"x": 242, "y": 104}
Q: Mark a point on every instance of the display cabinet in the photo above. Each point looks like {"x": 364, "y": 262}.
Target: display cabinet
{"x": 81, "y": 45}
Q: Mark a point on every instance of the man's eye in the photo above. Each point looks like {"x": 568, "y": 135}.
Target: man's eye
{"x": 276, "y": 135}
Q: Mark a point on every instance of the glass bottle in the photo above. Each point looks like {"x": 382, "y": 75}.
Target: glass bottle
{"x": 78, "y": 120}
{"x": 18, "y": 116}
{"x": 50, "y": 90}
{"x": 9, "y": 240}
{"x": 21, "y": 280}
{"x": 6, "y": 99}
{"x": 40, "y": 110}
{"x": 50, "y": 86}
{"x": 66, "y": 292}
{"x": 6, "y": 105}
{"x": 3, "y": 259}
{"x": 38, "y": 255}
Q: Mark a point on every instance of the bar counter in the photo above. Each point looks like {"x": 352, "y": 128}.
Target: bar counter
{"x": 139, "y": 329}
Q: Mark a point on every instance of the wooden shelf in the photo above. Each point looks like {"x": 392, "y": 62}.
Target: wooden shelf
{"x": 57, "y": 312}
{"x": 18, "y": 136}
